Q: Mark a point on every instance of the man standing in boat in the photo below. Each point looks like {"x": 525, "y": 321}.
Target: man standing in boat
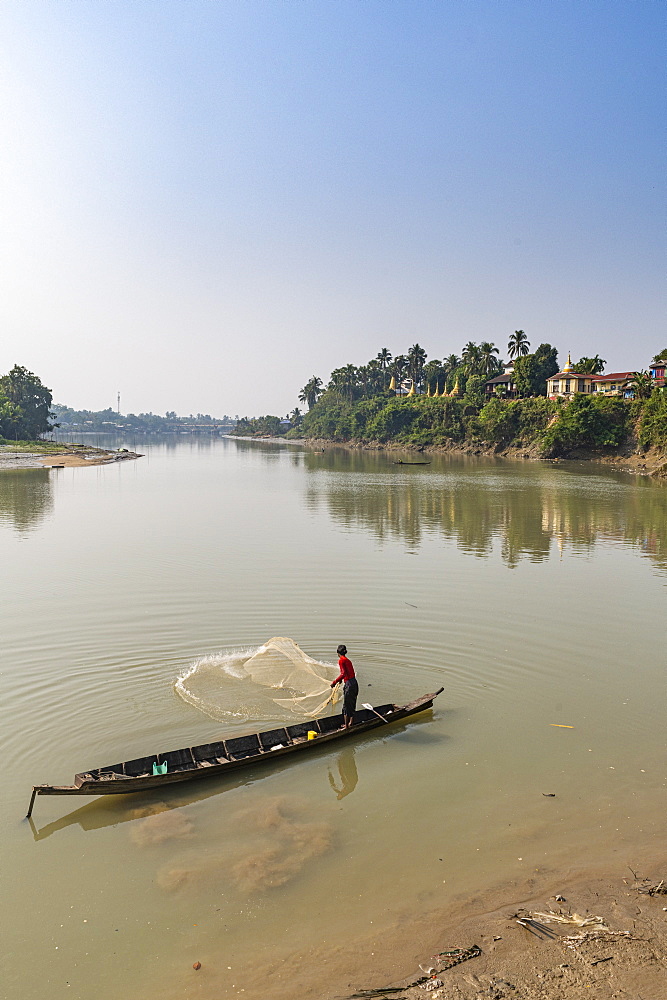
{"x": 350, "y": 686}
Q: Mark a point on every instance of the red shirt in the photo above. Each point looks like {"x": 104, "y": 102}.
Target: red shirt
{"x": 346, "y": 670}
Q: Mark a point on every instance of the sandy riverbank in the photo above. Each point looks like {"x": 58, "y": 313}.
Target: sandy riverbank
{"x": 11, "y": 460}
{"x": 599, "y": 934}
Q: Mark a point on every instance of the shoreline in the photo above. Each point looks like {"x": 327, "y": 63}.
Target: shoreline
{"x": 72, "y": 457}
{"x": 650, "y": 463}
{"x": 621, "y": 954}
{"x": 599, "y": 934}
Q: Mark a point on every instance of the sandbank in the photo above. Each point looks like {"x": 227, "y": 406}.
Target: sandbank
{"x": 70, "y": 458}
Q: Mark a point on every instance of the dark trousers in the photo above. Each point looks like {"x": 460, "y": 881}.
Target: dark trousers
{"x": 350, "y": 695}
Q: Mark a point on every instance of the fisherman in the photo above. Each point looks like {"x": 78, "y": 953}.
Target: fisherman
{"x": 350, "y": 686}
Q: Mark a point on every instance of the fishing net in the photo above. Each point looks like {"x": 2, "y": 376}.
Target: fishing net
{"x": 280, "y": 663}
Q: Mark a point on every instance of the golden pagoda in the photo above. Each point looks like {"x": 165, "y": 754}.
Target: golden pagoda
{"x": 428, "y": 390}
{"x": 392, "y": 384}
{"x": 456, "y": 391}
{"x": 411, "y": 391}
{"x": 568, "y": 366}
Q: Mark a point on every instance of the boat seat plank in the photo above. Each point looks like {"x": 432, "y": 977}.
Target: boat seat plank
{"x": 330, "y": 723}
{"x": 299, "y": 730}
{"x": 177, "y": 760}
{"x": 272, "y": 738}
{"x": 363, "y": 715}
{"x": 140, "y": 766}
{"x": 209, "y": 751}
{"x": 243, "y": 746}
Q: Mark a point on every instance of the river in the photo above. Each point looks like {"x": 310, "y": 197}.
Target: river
{"x": 533, "y": 592}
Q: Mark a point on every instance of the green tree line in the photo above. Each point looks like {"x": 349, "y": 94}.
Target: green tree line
{"x": 451, "y": 404}
{"x": 466, "y": 373}
{"x": 357, "y": 403}
{"x": 552, "y": 428}
{"x": 27, "y": 412}
{"x": 25, "y": 406}
{"x": 109, "y": 420}
{"x": 477, "y": 361}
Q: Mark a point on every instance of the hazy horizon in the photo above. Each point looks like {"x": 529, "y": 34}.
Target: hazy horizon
{"x": 205, "y": 204}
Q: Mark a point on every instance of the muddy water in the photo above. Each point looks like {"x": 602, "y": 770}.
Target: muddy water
{"x": 534, "y": 593}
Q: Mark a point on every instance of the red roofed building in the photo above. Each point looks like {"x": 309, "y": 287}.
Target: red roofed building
{"x": 614, "y": 384}
{"x": 567, "y": 382}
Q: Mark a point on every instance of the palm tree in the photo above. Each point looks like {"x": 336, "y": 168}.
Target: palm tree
{"x": 489, "y": 364}
{"x": 449, "y": 365}
{"x": 398, "y": 365}
{"x": 345, "y": 380}
{"x": 384, "y": 357}
{"x": 433, "y": 375}
{"x": 641, "y": 385}
{"x": 416, "y": 361}
{"x": 471, "y": 358}
{"x": 295, "y": 416}
{"x": 311, "y": 391}
{"x": 372, "y": 378}
{"x": 590, "y": 366}
{"x": 397, "y": 369}
{"x": 518, "y": 344}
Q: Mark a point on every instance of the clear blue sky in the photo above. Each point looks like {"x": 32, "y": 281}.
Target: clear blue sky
{"x": 202, "y": 204}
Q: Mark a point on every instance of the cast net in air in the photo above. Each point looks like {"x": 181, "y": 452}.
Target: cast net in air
{"x": 281, "y": 663}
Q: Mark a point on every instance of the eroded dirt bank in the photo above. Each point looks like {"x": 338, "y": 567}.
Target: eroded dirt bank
{"x": 649, "y": 463}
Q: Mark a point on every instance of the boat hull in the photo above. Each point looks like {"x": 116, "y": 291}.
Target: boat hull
{"x": 199, "y": 762}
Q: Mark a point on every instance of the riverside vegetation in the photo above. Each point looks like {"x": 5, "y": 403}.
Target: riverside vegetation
{"x": 25, "y": 406}
{"x": 358, "y": 407}
{"x": 548, "y": 428}
{"x": 27, "y": 412}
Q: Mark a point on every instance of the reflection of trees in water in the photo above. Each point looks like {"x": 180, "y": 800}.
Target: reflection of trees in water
{"x": 270, "y": 451}
{"x": 26, "y": 497}
{"x": 472, "y": 516}
{"x": 351, "y": 460}
{"x": 635, "y": 514}
{"x": 525, "y": 512}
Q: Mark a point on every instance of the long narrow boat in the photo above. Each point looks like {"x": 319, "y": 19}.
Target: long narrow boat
{"x": 209, "y": 759}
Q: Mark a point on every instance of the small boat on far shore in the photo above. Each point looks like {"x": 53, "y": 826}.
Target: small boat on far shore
{"x": 401, "y": 462}
{"x": 159, "y": 770}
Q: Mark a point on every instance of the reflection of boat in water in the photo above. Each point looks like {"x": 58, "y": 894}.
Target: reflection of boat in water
{"x": 161, "y": 770}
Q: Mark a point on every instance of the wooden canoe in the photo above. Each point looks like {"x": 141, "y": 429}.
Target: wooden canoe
{"x": 209, "y": 759}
